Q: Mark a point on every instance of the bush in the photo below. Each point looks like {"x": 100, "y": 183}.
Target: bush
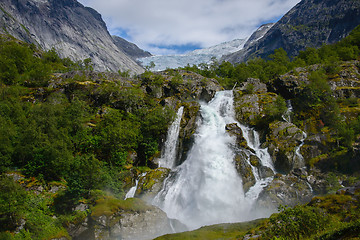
{"x": 296, "y": 223}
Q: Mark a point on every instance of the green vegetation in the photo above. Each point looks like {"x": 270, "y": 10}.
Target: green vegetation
{"x": 330, "y": 217}
{"x": 83, "y": 132}
{"x": 78, "y": 130}
{"x": 279, "y": 63}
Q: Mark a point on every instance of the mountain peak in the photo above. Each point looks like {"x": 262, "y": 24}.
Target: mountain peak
{"x": 311, "y": 23}
{"x": 73, "y": 30}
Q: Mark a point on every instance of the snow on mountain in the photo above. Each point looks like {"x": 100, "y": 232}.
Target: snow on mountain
{"x": 195, "y": 57}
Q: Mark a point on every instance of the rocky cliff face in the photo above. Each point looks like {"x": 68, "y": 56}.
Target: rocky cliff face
{"x": 73, "y": 30}
{"x": 311, "y": 23}
{"x": 131, "y": 49}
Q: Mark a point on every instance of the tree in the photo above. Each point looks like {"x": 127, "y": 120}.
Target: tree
{"x": 12, "y": 199}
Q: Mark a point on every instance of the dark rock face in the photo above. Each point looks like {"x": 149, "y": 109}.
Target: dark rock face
{"x": 311, "y": 23}
{"x": 75, "y": 31}
{"x": 131, "y": 49}
{"x": 258, "y": 34}
{"x": 282, "y": 140}
{"x": 285, "y": 190}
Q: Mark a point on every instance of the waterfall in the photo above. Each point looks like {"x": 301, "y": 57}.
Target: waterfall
{"x": 132, "y": 191}
{"x": 253, "y": 141}
{"x": 168, "y": 156}
{"x": 287, "y": 118}
{"x": 297, "y": 150}
{"x": 287, "y": 115}
{"x": 206, "y": 188}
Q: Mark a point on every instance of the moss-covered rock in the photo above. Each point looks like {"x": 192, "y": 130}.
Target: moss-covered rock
{"x": 187, "y": 129}
{"x": 234, "y": 130}
{"x": 132, "y": 218}
{"x": 282, "y": 140}
{"x": 245, "y": 171}
{"x": 250, "y": 107}
{"x": 150, "y": 184}
{"x": 285, "y": 190}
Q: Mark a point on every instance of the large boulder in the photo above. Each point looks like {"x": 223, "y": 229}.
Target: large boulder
{"x": 290, "y": 84}
{"x": 250, "y": 101}
{"x": 150, "y": 184}
{"x": 244, "y": 169}
{"x": 285, "y": 190}
{"x": 346, "y": 83}
{"x": 282, "y": 142}
{"x": 130, "y": 219}
{"x": 188, "y": 127}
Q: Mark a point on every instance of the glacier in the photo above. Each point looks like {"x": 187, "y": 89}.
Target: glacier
{"x": 195, "y": 57}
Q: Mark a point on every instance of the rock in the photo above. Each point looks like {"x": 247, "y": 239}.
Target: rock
{"x": 81, "y": 230}
{"x": 290, "y": 85}
{"x": 81, "y": 207}
{"x": 347, "y": 83}
{"x": 129, "y": 219}
{"x": 16, "y": 176}
{"x": 151, "y": 184}
{"x": 130, "y": 49}
{"x": 251, "y": 107}
{"x": 252, "y": 85}
{"x": 234, "y": 130}
{"x": 265, "y": 172}
{"x": 56, "y": 188}
{"x": 188, "y": 127}
{"x": 311, "y": 23}
{"x": 73, "y": 30}
{"x": 245, "y": 171}
{"x": 285, "y": 190}
{"x": 282, "y": 141}
{"x": 255, "y": 161}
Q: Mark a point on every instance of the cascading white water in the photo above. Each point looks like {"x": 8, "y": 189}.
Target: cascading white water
{"x": 287, "y": 117}
{"x": 298, "y": 148}
{"x": 253, "y": 141}
{"x": 206, "y": 188}
{"x": 132, "y": 191}
{"x": 168, "y": 156}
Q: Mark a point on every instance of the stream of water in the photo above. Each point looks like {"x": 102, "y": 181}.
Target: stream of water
{"x": 168, "y": 156}
{"x": 206, "y": 188}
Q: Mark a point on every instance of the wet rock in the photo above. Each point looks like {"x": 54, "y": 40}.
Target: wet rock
{"x": 245, "y": 171}
{"x": 265, "y": 172}
{"x": 188, "y": 127}
{"x": 151, "y": 184}
{"x": 234, "y": 130}
{"x": 282, "y": 141}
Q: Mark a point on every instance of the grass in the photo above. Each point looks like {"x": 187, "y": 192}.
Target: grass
{"x": 219, "y": 231}
{"x": 109, "y": 205}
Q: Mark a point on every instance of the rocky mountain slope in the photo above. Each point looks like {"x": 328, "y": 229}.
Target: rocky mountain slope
{"x": 75, "y": 31}
{"x": 311, "y": 23}
{"x": 131, "y": 49}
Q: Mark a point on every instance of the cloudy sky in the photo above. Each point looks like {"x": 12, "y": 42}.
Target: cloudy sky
{"x": 176, "y": 26}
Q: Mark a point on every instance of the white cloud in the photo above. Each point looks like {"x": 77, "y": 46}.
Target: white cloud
{"x": 154, "y": 23}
